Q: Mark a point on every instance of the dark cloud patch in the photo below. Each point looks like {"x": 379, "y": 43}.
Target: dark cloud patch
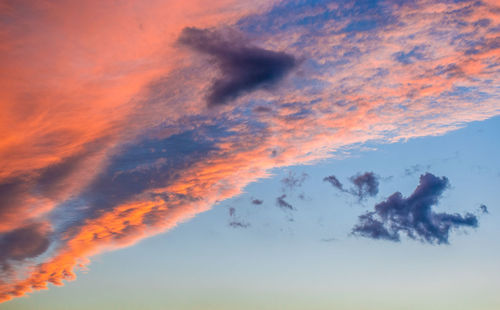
{"x": 17, "y": 195}
{"x": 23, "y": 243}
{"x": 293, "y": 181}
{"x": 232, "y": 211}
{"x": 238, "y": 224}
{"x": 334, "y": 182}
{"x": 484, "y": 209}
{"x": 256, "y": 201}
{"x": 243, "y": 68}
{"x": 413, "y": 216}
{"x": 280, "y": 202}
{"x": 365, "y": 184}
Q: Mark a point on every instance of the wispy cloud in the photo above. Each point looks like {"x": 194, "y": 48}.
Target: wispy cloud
{"x": 293, "y": 181}
{"x": 364, "y": 184}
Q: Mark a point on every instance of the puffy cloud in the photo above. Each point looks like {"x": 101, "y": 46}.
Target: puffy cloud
{"x": 413, "y": 215}
{"x": 366, "y": 184}
{"x": 243, "y": 68}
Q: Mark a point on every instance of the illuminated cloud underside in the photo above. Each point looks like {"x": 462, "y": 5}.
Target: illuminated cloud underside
{"x": 107, "y": 137}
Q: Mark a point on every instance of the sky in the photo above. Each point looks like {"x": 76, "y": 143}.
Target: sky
{"x": 249, "y": 155}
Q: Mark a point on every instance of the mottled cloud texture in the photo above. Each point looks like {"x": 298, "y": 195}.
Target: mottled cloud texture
{"x": 413, "y": 216}
{"x": 105, "y": 134}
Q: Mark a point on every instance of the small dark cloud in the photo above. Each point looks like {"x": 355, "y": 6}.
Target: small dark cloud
{"x": 293, "y": 181}
{"x": 484, "y": 209}
{"x": 23, "y": 243}
{"x": 256, "y": 201}
{"x": 280, "y": 202}
{"x": 243, "y": 68}
{"x": 413, "y": 216}
{"x": 365, "y": 184}
{"x": 334, "y": 182}
{"x": 232, "y": 211}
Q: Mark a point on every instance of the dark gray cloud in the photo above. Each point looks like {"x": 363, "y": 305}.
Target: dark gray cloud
{"x": 256, "y": 201}
{"x": 232, "y": 211}
{"x": 243, "y": 68}
{"x": 413, "y": 216}
{"x": 293, "y": 181}
{"x": 334, "y": 181}
{"x": 280, "y": 202}
{"x": 365, "y": 184}
{"x": 26, "y": 242}
{"x": 484, "y": 209}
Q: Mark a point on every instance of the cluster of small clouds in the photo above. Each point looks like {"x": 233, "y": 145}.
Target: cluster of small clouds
{"x": 234, "y": 221}
{"x": 292, "y": 181}
{"x": 411, "y": 216}
{"x": 364, "y": 185}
